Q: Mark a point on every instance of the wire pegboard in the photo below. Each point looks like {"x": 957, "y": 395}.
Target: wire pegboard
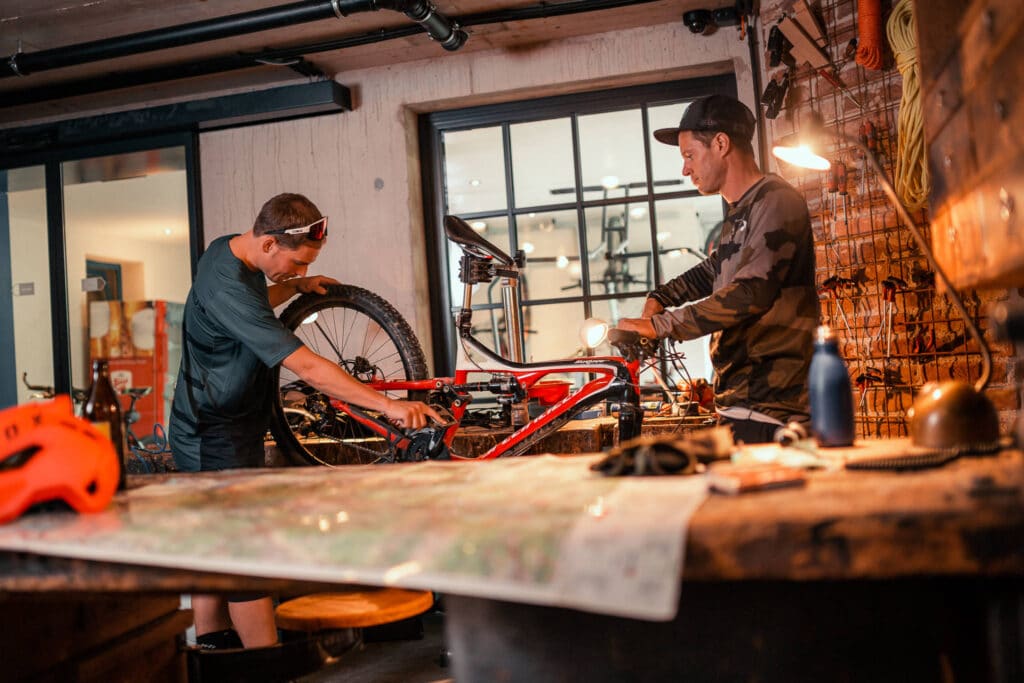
{"x": 895, "y": 330}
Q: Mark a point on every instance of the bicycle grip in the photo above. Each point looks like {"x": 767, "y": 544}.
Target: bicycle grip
{"x": 632, "y": 344}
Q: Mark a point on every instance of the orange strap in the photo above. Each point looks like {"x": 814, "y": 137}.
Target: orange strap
{"x": 869, "y": 34}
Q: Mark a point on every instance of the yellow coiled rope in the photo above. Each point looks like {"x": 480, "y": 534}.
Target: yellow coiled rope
{"x": 912, "y": 180}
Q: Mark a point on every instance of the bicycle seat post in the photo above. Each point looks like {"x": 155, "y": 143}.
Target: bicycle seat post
{"x": 513, "y": 327}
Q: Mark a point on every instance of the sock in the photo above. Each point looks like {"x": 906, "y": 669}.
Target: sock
{"x": 219, "y": 640}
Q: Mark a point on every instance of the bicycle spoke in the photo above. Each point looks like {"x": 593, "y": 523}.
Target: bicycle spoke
{"x": 337, "y": 351}
{"x": 364, "y": 335}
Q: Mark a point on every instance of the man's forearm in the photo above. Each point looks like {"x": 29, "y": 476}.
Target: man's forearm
{"x": 652, "y": 307}
{"x": 327, "y": 377}
{"x": 278, "y": 293}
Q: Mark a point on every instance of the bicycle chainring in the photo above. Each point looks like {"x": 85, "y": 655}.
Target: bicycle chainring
{"x": 426, "y": 444}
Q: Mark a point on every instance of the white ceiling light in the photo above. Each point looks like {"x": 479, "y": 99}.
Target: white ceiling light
{"x": 610, "y": 182}
{"x": 638, "y": 211}
{"x": 474, "y": 182}
{"x": 479, "y": 226}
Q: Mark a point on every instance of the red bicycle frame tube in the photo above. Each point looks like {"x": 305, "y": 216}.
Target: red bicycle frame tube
{"x": 605, "y": 367}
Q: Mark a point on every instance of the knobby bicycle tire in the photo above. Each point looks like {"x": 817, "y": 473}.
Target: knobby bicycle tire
{"x": 369, "y": 338}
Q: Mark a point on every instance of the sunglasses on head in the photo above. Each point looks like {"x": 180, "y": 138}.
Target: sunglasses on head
{"x": 316, "y": 230}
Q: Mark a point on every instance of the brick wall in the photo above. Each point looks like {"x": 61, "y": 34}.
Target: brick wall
{"x": 896, "y": 331}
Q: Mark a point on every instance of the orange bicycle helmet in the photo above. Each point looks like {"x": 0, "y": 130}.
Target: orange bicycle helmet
{"x": 46, "y": 453}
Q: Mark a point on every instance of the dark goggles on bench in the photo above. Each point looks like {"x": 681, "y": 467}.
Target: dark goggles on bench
{"x": 316, "y": 230}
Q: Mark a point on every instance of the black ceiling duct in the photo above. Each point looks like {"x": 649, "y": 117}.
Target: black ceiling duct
{"x": 281, "y": 56}
{"x": 439, "y": 27}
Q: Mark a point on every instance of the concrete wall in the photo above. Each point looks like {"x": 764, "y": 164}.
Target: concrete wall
{"x": 377, "y": 235}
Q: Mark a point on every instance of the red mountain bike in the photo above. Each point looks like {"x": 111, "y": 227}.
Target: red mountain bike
{"x": 367, "y": 337}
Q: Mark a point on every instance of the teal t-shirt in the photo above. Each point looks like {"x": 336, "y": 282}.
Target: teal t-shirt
{"x": 231, "y": 342}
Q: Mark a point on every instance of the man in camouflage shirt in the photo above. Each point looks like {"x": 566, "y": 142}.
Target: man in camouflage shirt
{"x": 755, "y": 293}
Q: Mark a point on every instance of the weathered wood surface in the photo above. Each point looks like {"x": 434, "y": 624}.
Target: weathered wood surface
{"x": 966, "y": 518}
{"x": 92, "y": 638}
{"x": 577, "y": 436}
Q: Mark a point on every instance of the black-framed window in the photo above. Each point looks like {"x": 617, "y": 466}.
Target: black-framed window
{"x": 578, "y": 183}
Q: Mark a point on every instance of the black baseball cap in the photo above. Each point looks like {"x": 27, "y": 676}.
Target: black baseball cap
{"x": 713, "y": 113}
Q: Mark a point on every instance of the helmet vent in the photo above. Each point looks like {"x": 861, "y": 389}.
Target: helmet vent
{"x": 92, "y": 487}
{"x": 18, "y": 458}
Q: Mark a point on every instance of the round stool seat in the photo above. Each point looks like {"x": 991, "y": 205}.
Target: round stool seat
{"x": 360, "y": 607}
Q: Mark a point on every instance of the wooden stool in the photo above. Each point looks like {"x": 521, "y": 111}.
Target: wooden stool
{"x": 357, "y": 607}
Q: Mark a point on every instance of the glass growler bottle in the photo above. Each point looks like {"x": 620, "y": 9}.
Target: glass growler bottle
{"x": 103, "y": 409}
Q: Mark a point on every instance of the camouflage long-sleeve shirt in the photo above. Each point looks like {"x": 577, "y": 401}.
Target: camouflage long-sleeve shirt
{"x": 755, "y": 295}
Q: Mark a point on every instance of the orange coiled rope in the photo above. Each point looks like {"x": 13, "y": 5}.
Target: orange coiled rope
{"x": 869, "y": 34}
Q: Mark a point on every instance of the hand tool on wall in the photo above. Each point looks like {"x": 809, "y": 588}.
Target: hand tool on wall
{"x": 831, "y": 186}
{"x": 869, "y": 138}
{"x": 890, "y": 286}
{"x": 774, "y": 96}
{"x": 864, "y": 381}
{"x": 840, "y": 174}
{"x": 830, "y": 288}
{"x": 778, "y": 48}
{"x": 922, "y": 343}
{"x": 807, "y": 42}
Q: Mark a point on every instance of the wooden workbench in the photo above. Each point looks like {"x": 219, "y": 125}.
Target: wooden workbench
{"x": 782, "y": 584}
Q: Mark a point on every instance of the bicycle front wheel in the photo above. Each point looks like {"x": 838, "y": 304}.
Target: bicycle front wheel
{"x": 365, "y": 336}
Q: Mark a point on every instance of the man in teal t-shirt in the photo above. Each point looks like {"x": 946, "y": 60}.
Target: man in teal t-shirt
{"x": 231, "y": 342}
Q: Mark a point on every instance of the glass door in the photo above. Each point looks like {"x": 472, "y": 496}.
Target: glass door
{"x": 128, "y": 261}
{"x": 25, "y": 313}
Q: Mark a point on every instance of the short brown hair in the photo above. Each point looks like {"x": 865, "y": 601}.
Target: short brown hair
{"x": 706, "y": 136}
{"x": 284, "y": 211}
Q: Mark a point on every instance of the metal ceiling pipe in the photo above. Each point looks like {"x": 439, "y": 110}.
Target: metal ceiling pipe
{"x": 423, "y": 12}
{"x": 282, "y": 56}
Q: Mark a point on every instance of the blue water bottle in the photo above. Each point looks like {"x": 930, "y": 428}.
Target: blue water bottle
{"x": 831, "y": 394}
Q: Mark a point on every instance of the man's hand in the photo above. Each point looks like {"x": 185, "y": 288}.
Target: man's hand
{"x": 411, "y": 414}
{"x": 651, "y": 307}
{"x": 642, "y": 326}
{"x": 315, "y": 284}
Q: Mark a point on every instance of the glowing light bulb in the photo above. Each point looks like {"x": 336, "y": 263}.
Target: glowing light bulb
{"x": 593, "y": 332}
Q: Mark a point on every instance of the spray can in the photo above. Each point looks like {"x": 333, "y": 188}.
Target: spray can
{"x": 831, "y": 394}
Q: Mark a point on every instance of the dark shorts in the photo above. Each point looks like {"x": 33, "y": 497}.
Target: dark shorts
{"x": 231, "y": 446}
{"x": 749, "y": 431}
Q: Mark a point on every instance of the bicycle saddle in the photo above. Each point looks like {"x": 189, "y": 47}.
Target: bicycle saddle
{"x": 458, "y": 231}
